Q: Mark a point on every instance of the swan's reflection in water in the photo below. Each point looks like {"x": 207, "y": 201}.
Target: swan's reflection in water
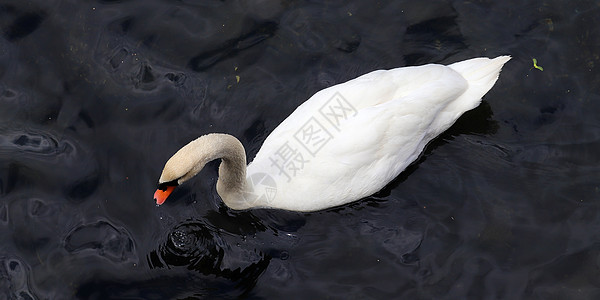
{"x": 224, "y": 265}
{"x": 232, "y": 248}
{"x": 198, "y": 247}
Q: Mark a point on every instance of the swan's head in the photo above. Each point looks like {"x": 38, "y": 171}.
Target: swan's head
{"x": 182, "y": 166}
{"x": 190, "y": 160}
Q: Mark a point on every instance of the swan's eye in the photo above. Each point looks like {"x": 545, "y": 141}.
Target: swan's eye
{"x": 163, "y": 186}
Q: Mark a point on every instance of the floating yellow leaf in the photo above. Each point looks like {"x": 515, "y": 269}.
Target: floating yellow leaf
{"x": 536, "y": 66}
{"x": 237, "y": 78}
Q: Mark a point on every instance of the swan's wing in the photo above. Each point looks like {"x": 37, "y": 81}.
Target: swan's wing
{"x": 340, "y": 101}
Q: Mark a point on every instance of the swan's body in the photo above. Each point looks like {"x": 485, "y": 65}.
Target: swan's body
{"x": 344, "y": 143}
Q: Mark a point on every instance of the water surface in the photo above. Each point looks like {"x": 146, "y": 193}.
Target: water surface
{"x": 96, "y": 95}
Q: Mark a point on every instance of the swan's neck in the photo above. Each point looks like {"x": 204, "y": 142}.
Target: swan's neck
{"x": 232, "y": 171}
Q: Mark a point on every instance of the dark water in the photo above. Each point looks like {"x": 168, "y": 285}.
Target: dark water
{"x": 96, "y": 95}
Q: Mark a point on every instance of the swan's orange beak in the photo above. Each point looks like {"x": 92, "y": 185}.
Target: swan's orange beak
{"x": 160, "y": 196}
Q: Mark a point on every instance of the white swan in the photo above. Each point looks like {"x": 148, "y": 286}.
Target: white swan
{"x": 344, "y": 143}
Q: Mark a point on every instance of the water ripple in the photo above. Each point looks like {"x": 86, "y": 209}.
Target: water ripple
{"x": 199, "y": 247}
{"x": 257, "y": 34}
{"x": 31, "y": 153}
{"x": 33, "y": 142}
{"x": 103, "y": 239}
{"x": 14, "y": 279}
{"x": 23, "y": 24}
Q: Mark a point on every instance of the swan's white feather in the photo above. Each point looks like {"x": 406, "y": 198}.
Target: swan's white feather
{"x": 390, "y": 115}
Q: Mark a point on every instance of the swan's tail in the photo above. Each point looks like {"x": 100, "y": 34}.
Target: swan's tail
{"x": 481, "y": 73}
